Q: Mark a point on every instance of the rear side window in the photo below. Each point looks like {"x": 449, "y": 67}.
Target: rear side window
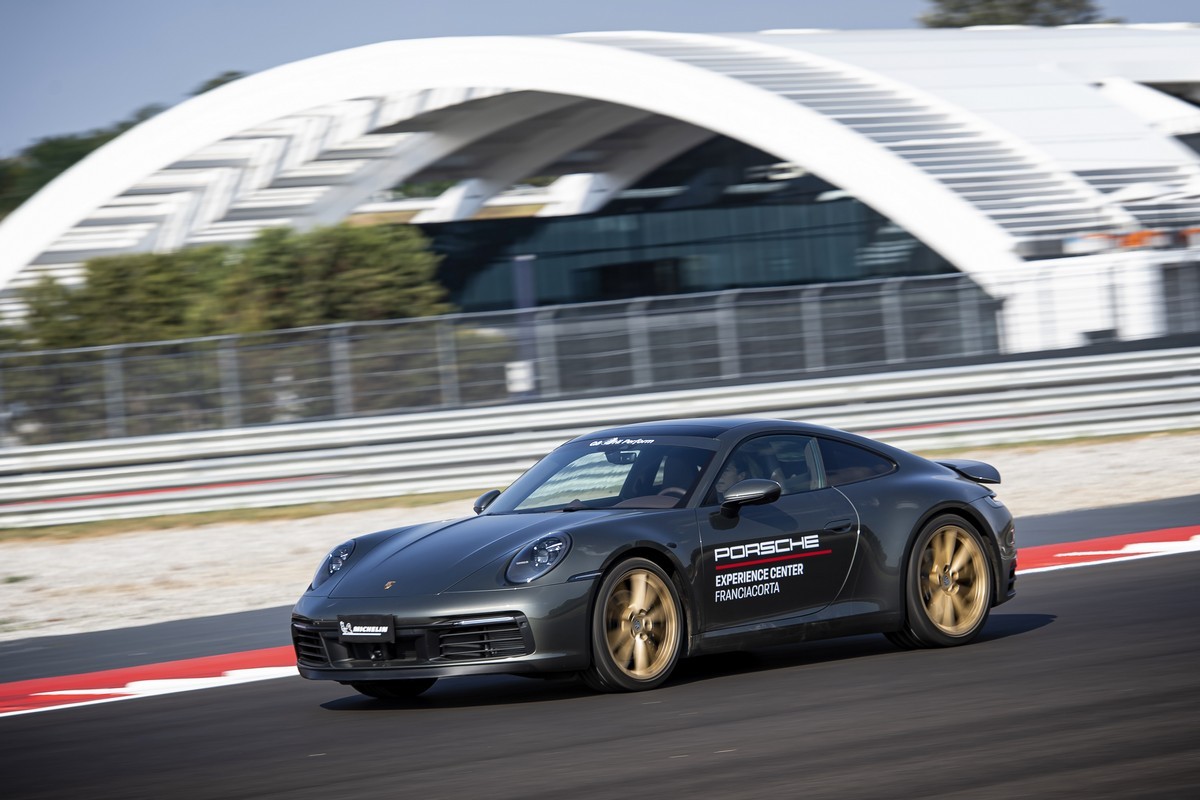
{"x": 847, "y": 463}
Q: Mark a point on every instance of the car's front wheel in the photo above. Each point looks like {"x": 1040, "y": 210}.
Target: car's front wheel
{"x": 637, "y": 628}
{"x": 393, "y": 690}
{"x": 948, "y": 586}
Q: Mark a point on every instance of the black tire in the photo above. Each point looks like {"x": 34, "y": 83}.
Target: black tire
{"x": 637, "y": 628}
{"x": 393, "y": 690}
{"x": 947, "y": 586}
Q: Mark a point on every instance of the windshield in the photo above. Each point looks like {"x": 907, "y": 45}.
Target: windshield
{"x": 630, "y": 473}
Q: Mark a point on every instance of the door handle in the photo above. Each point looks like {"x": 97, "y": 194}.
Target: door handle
{"x": 839, "y": 526}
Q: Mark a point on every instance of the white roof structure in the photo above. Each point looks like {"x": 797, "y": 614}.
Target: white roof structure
{"x": 987, "y": 144}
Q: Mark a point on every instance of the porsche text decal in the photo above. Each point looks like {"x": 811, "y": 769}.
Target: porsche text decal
{"x": 736, "y": 555}
{"x": 754, "y": 569}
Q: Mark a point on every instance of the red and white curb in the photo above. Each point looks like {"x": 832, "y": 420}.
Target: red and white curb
{"x": 69, "y": 691}
{"x": 45, "y": 694}
{"x": 1125, "y": 547}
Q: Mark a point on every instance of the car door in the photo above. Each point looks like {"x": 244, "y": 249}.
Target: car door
{"x": 783, "y": 559}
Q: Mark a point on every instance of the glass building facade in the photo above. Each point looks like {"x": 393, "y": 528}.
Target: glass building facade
{"x": 722, "y": 216}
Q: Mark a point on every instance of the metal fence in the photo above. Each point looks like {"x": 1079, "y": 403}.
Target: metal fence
{"x": 464, "y": 360}
{"x": 482, "y": 448}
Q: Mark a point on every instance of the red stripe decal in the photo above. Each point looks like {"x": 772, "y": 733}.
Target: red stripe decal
{"x": 772, "y": 560}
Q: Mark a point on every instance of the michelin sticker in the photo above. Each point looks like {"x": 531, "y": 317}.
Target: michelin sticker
{"x": 362, "y": 630}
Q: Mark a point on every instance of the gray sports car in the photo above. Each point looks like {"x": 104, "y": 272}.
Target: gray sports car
{"x": 624, "y": 550}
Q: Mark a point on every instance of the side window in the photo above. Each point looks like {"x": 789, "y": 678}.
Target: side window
{"x": 797, "y": 464}
{"x": 847, "y": 463}
{"x": 791, "y": 461}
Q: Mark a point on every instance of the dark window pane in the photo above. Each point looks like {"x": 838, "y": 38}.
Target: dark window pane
{"x": 847, "y": 463}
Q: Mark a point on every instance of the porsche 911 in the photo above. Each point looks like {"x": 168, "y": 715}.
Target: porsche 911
{"x": 627, "y": 549}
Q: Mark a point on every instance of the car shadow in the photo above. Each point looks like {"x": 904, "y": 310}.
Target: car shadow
{"x": 1001, "y": 626}
{"x": 470, "y": 692}
{"x": 502, "y": 690}
{"x": 847, "y": 648}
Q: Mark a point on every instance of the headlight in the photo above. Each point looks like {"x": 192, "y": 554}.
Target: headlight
{"x": 538, "y": 558}
{"x": 333, "y": 563}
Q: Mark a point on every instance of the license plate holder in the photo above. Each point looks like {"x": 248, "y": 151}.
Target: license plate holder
{"x": 366, "y": 628}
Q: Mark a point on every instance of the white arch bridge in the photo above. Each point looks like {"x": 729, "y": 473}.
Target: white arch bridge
{"x": 989, "y": 146}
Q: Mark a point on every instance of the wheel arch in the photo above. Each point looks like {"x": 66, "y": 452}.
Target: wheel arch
{"x": 972, "y": 516}
{"x": 675, "y": 570}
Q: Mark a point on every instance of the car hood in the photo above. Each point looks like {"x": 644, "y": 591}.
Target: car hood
{"x": 433, "y": 557}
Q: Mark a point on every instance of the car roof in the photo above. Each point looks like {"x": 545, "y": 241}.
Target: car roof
{"x": 726, "y": 431}
{"x": 705, "y": 427}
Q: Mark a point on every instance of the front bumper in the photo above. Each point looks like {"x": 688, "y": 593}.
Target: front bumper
{"x": 526, "y": 630}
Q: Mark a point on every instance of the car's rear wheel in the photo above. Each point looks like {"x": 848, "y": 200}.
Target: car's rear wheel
{"x": 393, "y": 690}
{"x": 948, "y": 586}
{"x": 637, "y": 628}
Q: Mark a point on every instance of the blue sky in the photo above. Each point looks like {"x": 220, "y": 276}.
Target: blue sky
{"x": 67, "y": 66}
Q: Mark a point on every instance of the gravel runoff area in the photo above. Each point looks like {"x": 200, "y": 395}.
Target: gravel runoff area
{"x": 50, "y": 587}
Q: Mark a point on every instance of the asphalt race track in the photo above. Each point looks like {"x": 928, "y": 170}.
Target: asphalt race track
{"x": 1086, "y": 685}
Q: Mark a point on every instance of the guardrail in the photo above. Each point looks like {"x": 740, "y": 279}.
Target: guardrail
{"x": 480, "y": 448}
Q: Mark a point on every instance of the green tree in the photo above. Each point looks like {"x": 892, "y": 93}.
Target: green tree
{"x": 350, "y": 273}
{"x": 41, "y": 162}
{"x": 228, "y": 76}
{"x": 137, "y": 297}
{"x": 962, "y": 13}
{"x": 342, "y": 273}
{"x": 11, "y": 339}
{"x": 51, "y": 319}
{"x": 283, "y": 279}
{"x": 11, "y": 178}
{"x": 257, "y": 293}
{"x": 46, "y": 159}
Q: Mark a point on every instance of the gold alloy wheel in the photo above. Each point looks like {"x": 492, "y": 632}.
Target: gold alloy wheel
{"x": 954, "y": 581}
{"x": 641, "y": 625}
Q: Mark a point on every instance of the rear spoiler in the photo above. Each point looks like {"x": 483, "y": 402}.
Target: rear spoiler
{"x": 975, "y": 470}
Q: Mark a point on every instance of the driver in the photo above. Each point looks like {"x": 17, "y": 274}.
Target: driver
{"x": 737, "y": 469}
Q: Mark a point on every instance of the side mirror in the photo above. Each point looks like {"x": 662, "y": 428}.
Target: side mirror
{"x": 485, "y": 500}
{"x": 750, "y": 492}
